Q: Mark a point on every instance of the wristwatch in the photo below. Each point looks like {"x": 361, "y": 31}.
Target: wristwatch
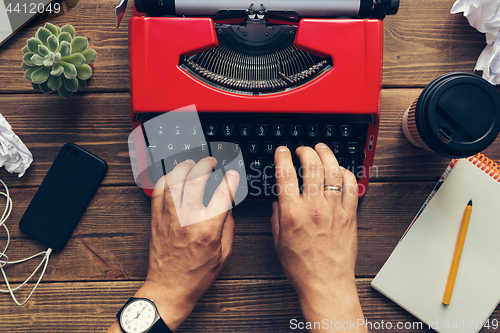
{"x": 139, "y": 315}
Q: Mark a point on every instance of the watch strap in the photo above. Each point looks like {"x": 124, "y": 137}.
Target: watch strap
{"x": 160, "y": 327}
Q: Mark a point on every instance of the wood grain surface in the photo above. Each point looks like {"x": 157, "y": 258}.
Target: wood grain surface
{"x": 228, "y": 306}
{"x": 105, "y": 261}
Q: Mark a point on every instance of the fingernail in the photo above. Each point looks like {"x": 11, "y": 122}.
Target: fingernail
{"x": 190, "y": 162}
{"x": 321, "y": 145}
{"x": 233, "y": 173}
{"x": 282, "y": 149}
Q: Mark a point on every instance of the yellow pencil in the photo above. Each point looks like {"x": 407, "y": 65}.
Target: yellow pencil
{"x": 458, "y": 254}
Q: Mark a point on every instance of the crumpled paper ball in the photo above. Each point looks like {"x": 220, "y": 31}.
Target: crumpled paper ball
{"x": 484, "y": 15}
{"x": 14, "y": 155}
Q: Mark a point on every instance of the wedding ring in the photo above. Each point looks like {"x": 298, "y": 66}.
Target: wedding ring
{"x": 333, "y": 188}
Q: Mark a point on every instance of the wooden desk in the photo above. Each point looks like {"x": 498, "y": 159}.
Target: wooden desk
{"x": 105, "y": 260}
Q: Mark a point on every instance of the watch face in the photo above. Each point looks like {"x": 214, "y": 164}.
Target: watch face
{"x": 138, "y": 316}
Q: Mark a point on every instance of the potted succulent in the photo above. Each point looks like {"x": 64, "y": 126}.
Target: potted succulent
{"x": 56, "y": 60}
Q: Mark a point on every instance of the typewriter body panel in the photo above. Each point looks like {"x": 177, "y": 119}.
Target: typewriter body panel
{"x": 348, "y": 91}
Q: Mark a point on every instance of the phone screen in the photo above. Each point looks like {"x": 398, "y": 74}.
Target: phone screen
{"x": 63, "y": 196}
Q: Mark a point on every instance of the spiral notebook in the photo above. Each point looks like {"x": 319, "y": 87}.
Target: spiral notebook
{"x": 416, "y": 273}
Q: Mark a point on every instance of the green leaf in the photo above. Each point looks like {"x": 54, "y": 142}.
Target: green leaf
{"x": 79, "y": 44}
{"x": 54, "y": 82}
{"x": 56, "y": 70}
{"x": 76, "y": 59}
{"x": 82, "y": 84}
{"x": 69, "y": 29}
{"x": 84, "y": 72}
{"x": 24, "y": 66}
{"x": 69, "y": 70}
{"x": 64, "y": 93}
{"x": 65, "y": 49}
{"x": 29, "y": 71}
{"x": 71, "y": 84}
{"x": 57, "y": 57}
{"x": 45, "y": 88}
{"x": 37, "y": 60}
{"x": 53, "y": 43}
{"x": 48, "y": 63}
{"x": 43, "y": 50}
{"x": 65, "y": 36}
{"x": 25, "y": 49}
{"x": 33, "y": 44}
{"x": 27, "y": 63}
{"x": 27, "y": 59}
{"x": 41, "y": 75}
{"x": 89, "y": 55}
{"x": 36, "y": 86}
{"x": 52, "y": 28}
{"x": 58, "y": 30}
{"x": 42, "y": 34}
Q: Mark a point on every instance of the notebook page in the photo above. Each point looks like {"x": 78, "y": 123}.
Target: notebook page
{"x": 416, "y": 273}
{"x": 14, "y": 14}
{"x": 5, "y": 28}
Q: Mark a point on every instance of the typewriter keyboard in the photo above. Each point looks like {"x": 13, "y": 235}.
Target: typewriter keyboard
{"x": 246, "y": 142}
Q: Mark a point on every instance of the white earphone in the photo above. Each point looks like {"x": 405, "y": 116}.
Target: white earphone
{"x": 4, "y": 259}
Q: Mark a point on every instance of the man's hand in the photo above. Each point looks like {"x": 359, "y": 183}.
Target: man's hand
{"x": 315, "y": 233}
{"x": 185, "y": 261}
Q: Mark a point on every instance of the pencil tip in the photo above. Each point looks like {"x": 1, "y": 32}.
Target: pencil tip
{"x": 470, "y": 203}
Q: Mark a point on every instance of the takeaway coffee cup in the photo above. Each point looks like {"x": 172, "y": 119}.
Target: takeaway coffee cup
{"x": 457, "y": 115}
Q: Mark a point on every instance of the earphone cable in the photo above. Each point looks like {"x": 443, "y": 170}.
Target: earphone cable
{"x": 4, "y": 259}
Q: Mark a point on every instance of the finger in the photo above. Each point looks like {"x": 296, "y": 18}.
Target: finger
{"x": 194, "y": 188}
{"x": 175, "y": 183}
{"x": 350, "y": 193}
{"x": 286, "y": 177}
{"x": 333, "y": 173}
{"x": 228, "y": 236}
{"x": 275, "y": 223}
{"x": 222, "y": 199}
{"x": 157, "y": 198}
{"x": 313, "y": 173}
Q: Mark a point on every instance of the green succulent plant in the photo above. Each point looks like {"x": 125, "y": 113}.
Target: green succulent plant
{"x": 56, "y": 60}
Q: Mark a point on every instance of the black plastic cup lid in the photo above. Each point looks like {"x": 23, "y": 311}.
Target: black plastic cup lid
{"x": 458, "y": 115}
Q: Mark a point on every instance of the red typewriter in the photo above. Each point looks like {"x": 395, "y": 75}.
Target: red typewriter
{"x": 259, "y": 75}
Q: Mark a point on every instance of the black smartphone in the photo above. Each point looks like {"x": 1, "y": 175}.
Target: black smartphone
{"x": 63, "y": 196}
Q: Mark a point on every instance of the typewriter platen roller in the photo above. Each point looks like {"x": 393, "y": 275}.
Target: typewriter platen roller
{"x": 307, "y": 71}
{"x": 302, "y": 8}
